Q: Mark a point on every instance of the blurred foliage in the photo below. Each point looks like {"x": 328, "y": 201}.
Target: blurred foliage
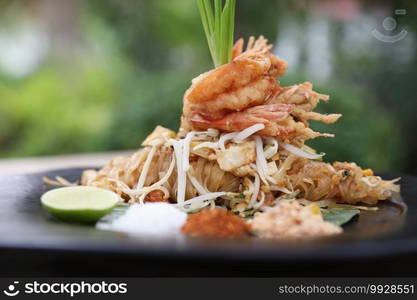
{"x": 138, "y": 57}
{"x": 55, "y": 113}
{"x": 366, "y": 134}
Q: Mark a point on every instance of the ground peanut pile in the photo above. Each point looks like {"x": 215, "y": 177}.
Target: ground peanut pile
{"x": 291, "y": 220}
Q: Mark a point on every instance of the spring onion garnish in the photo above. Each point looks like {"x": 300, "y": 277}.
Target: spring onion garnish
{"x": 219, "y": 28}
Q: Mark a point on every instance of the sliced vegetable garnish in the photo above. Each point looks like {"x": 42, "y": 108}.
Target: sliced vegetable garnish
{"x": 339, "y": 216}
{"x": 84, "y": 204}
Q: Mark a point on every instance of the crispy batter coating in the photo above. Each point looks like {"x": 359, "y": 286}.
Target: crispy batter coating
{"x": 305, "y": 100}
{"x": 254, "y": 93}
{"x": 216, "y": 223}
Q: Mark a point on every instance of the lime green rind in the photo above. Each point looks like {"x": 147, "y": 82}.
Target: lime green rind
{"x": 78, "y": 216}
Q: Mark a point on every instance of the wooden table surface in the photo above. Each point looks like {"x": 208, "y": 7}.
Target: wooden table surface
{"x": 38, "y": 164}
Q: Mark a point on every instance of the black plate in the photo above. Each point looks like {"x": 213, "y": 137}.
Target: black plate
{"x": 32, "y": 243}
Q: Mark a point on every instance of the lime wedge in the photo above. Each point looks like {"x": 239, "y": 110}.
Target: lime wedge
{"x": 83, "y": 204}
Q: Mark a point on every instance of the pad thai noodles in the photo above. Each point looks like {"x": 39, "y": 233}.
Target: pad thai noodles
{"x": 241, "y": 147}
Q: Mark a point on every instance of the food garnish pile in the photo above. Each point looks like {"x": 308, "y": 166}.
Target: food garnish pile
{"x": 239, "y": 165}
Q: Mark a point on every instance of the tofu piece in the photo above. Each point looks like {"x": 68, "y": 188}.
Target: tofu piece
{"x": 236, "y": 155}
{"x": 243, "y": 171}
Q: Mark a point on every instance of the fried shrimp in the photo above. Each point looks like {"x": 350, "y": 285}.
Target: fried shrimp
{"x": 245, "y": 92}
{"x": 248, "y": 80}
{"x": 275, "y": 117}
{"x": 305, "y": 100}
{"x": 253, "y": 65}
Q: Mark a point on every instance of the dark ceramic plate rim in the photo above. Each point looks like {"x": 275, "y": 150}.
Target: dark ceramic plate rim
{"x": 396, "y": 244}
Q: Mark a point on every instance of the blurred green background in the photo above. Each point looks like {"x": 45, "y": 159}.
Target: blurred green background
{"x": 84, "y": 76}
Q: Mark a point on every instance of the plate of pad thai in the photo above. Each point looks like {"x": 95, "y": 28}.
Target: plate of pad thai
{"x": 239, "y": 165}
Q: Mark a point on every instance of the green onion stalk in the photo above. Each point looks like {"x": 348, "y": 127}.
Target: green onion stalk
{"x": 218, "y": 26}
